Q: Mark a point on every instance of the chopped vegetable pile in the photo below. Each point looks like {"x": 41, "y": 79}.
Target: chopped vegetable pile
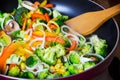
{"x": 36, "y": 44}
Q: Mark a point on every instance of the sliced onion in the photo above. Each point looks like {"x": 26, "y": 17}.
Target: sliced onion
{"x": 3, "y": 20}
{"x": 1, "y": 45}
{"x": 6, "y": 69}
{"x": 87, "y": 43}
{"x": 50, "y": 12}
{"x": 74, "y": 37}
{"x": 38, "y": 68}
{"x": 53, "y": 22}
{"x": 29, "y": 33}
{"x": 11, "y": 26}
{"x": 34, "y": 40}
{"x": 85, "y": 59}
{"x": 2, "y": 26}
{"x": 73, "y": 32}
{"x": 43, "y": 42}
{"x": 41, "y": 24}
{"x": 28, "y": 5}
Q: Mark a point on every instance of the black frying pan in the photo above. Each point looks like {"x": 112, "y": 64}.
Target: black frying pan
{"x": 108, "y": 31}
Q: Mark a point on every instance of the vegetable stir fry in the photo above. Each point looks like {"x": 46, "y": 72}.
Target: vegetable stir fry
{"x": 35, "y": 43}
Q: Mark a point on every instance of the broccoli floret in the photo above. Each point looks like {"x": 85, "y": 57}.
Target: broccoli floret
{"x": 85, "y": 49}
{"x": 55, "y": 75}
{"x": 46, "y": 55}
{"x": 88, "y": 65}
{"x": 50, "y": 54}
{"x": 27, "y": 75}
{"x": 14, "y": 71}
{"x": 43, "y": 74}
{"x": 67, "y": 73}
{"x": 19, "y": 15}
{"x": 60, "y": 18}
{"x": 100, "y": 45}
{"x": 72, "y": 69}
{"x": 59, "y": 50}
{"x": 31, "y": 61}
{"x": 74, "y": 57}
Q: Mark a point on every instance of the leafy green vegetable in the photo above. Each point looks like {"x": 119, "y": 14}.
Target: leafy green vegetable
{"x": 19, "y": 14}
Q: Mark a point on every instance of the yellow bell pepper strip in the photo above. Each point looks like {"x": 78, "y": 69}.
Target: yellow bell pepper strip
{"x": 40, "y": 34}
{"x": 30, "y": 25}
{"x": 43, "y": 3}
{"x": 5, "y": 38}
{"x": 6, "y": 54}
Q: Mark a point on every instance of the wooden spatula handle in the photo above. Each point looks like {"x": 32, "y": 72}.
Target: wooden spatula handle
{"x": 110, "y": 12}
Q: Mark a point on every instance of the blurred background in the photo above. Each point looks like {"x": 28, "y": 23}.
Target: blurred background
{"x": 113, "y": 71}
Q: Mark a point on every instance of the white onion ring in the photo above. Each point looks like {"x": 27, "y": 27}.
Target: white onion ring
{"x": 28, "y": 5}
{"x": 73, "y": 32}
{"x": 84, "y": 59}
{"x": 12, "y": 24}
{"x": 2, "y": 26}
{"x": 37, "y": 39}
{"x": 48, "y": 10}
{"x": 29, "y": 32}
{"x": 37, "y": 24}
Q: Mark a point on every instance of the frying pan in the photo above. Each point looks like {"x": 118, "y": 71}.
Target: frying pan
{"x": 108, "y": 31}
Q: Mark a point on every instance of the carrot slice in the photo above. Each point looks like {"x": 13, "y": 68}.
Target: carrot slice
{"x": 47, "y": 17}
{"x": 6, "y": 54}
{"x": 38, "y": 15}
{"x": 24, "y": 23}
{"x": 52, "y": 26}
{"x": 73, "y": 46}
{"x": 49, "y": 5}
{"x": 36, "y": 3}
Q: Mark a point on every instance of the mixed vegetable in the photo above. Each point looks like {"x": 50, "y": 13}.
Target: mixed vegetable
{"x": 35, "y": 43}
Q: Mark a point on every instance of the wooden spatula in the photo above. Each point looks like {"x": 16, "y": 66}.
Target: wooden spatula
{"x": 87, "y": 23}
